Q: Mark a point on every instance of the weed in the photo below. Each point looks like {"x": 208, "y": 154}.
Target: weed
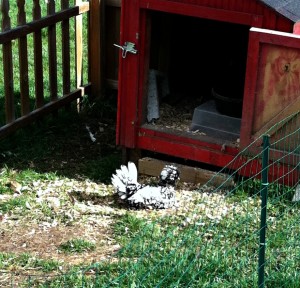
{"x": 77, "y": 246}
{"x": 11, "y": 261}
{"x": 13, "y": 203}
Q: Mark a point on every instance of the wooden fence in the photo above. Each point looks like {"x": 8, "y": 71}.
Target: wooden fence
{"x": 31, "y": 102}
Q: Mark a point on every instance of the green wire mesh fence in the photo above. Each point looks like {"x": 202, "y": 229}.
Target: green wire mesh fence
{"x": 243, "y": 232}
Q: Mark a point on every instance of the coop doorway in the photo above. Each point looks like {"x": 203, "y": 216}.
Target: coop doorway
{"x": 196, "y": 75}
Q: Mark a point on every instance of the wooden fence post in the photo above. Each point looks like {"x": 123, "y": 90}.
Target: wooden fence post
{"x": 38, "y": 57}
{"x": 8, "y": 66}
{"x": 52, "y": 53}
{"x": 65, "y": 27}
{"x": 95, "y": 51}
{"x": 23, "y": 60}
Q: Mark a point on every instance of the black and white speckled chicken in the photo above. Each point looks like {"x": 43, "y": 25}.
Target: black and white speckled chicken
{"x": 146, "y": 196}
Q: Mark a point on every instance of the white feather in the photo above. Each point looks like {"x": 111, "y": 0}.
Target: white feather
{"x": 118, "y": 184}
{"x": 133, "y": 174}
{"x": 124, "y": 171}
{"x": 122, "y": 176}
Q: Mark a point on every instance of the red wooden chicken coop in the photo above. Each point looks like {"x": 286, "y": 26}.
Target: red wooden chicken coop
{"x": 234, "y": 64}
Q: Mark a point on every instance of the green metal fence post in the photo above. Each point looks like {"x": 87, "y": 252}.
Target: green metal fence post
{"x": 263, "y": 216}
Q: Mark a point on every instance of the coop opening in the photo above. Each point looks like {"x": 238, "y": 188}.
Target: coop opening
{"x": 196, "y": 75}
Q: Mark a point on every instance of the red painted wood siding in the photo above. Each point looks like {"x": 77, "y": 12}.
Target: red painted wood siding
{"x": 272, "y": 19}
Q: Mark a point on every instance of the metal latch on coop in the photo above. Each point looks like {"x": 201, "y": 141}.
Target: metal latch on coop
{"x": 127, "y": 47}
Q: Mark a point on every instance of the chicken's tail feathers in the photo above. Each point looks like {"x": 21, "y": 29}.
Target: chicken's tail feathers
{"x": 118, "y": 183}
{"x": 125, "y": 180}
{"x": 132, "y": 170}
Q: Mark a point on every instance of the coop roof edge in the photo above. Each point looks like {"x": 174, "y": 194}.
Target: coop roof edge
{"x": 288, "y": 8}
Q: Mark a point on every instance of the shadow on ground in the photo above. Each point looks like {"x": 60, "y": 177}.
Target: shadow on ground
{"x": 67, "y": 143}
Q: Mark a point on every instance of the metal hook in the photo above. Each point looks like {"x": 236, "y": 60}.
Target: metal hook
{"x": 127, "y": 47}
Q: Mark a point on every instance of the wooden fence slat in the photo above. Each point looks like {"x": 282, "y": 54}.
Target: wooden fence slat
{"x": 65, "y": 26}
{"x": 95, "y": 36}
{"x": 52, "y": 53}
{"x": 8, "y": 66}
{"x": 38, "y": 57}
{"x": 78, "y": 47}
{"x": 78, "y": 52}
{"x": 23, "y": 62}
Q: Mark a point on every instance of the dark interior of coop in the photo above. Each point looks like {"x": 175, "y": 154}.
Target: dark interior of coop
{"x": 204, "y": 62}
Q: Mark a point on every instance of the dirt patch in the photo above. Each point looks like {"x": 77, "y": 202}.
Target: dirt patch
{"x": 57, "y": 211}
{"x": 42, "y": 241}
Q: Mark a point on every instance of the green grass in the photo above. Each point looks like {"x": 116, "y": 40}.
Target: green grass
{"x": 11, "y": 204}
{"x": 160, "y": 252}
{"x": 11, "y": 262}
{"x": 219, "y": 255}
{"x": 77, "y": 246}
{"x": 23, "y": 177}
